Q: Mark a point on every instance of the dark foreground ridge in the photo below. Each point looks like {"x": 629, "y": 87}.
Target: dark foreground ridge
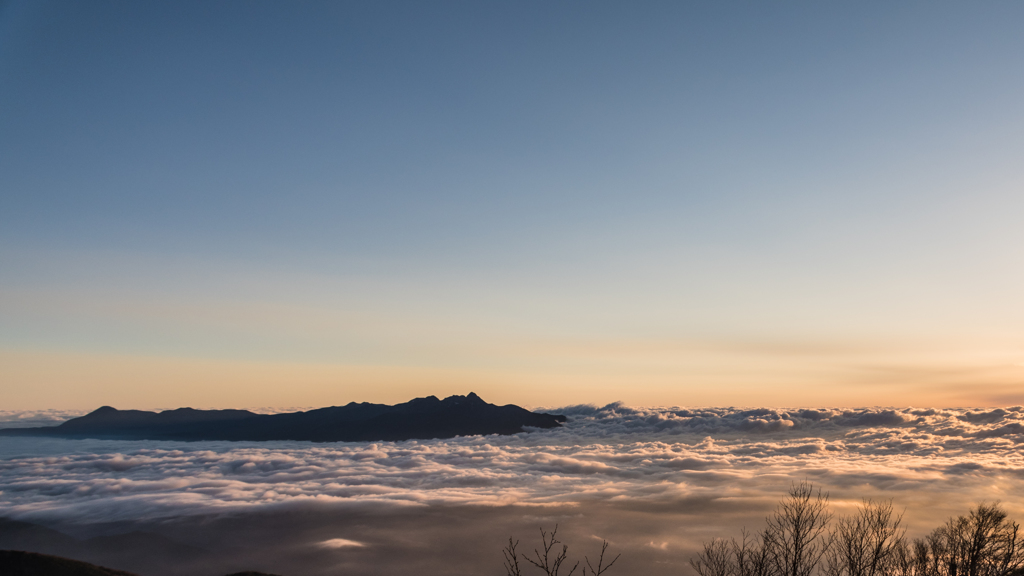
{"x": 17, "y": 563}
{"x": 418, "y": 419}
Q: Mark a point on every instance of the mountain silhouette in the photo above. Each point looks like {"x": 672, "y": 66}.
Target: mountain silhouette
{"x": 420, "y": 418}
{"x": 18, "y": 563}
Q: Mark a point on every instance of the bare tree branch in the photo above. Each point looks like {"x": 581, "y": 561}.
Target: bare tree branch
{"x": 511, "y": 559}
{"x": 716, "y": 559}
{"x": 601, "y": 569}
{"x": 867, "y": 543}
{"x": 982, "y": 543}
{"x": 796, "y": 535}
{"x": 751, "y": 555}
{"x": 545, "y": 562}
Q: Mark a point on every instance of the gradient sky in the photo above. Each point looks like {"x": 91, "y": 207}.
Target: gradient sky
{"x": 299, "y": 204}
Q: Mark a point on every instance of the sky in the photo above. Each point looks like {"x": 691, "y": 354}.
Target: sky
{"x": 243, "y": 204}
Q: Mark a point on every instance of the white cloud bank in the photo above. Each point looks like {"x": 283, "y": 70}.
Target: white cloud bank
{"x": 632, "y": 457}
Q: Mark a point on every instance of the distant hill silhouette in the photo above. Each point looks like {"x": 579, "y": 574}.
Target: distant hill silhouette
{"x": 421, "y": 418}
{"x": 18, "y": 563}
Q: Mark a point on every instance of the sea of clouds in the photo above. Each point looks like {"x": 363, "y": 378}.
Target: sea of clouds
{"x": 646, "y": 458}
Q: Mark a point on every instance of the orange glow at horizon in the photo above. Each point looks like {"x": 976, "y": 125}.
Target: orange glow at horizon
{"x": 647, "y": 374}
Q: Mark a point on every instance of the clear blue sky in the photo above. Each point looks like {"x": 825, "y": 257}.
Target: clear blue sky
{"x": 664, "y": 203}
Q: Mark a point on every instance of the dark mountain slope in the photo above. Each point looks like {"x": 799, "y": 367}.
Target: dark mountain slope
{"x": 16, "y": 563}
{"x": 421, "y": 418}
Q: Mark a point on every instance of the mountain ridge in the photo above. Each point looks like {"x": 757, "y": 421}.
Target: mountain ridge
{"x": 23, "y": 563}
{"x": 418, "y": 419}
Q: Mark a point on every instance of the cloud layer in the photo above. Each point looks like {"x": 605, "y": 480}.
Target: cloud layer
{"x": 633, "y": 457}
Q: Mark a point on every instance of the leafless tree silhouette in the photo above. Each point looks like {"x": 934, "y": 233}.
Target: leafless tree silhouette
{"x": 716, "y": 559}
{"x": 910, "y": 558}
{"x": 982, "y": 543}
{"x": 797, "y": 542}
{"x": 796, "y": 536}
{"x": 866, "y": 543}
{"x": 550, "y": 565}
{"x": 751, "y": 555}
